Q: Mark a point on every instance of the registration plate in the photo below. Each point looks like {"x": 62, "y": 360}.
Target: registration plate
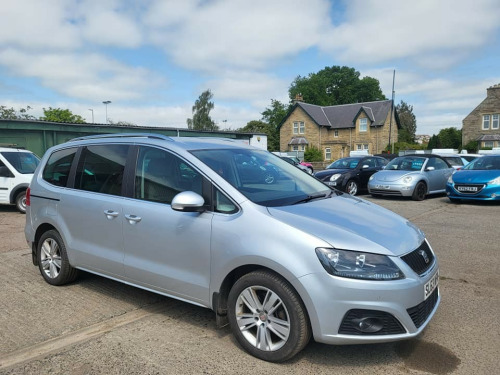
{"x": 467, "y": 188}
{"x": 431, "y": 285}
{"x": 382, "y": 187}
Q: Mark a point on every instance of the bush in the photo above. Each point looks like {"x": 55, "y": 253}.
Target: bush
{"x": 312, "y": 154}
{"x": 402, "y": 146}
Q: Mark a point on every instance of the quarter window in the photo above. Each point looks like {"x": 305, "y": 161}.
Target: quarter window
{"x": 101, "y": 170}
{"x": 494, "y": 122}
{"x": 486, "y": 122}
{"x": 57, "y": 169}
{"x": 363, "y": 124}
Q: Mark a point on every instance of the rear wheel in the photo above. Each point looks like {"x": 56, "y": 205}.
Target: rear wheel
{"x": 351, "y": 187}
{"x": 310, "y": 170}
{"x": 419, "y": 192}
{"x": 53, "y": 259}
{"x": 21, "y": 202}
{"x": 267, "y": 317}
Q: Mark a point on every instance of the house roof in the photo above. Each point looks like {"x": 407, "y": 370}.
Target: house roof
{"x": 298, "y": 141}
{"x": 343, "y": 116}
{"x": 489, "y": 137}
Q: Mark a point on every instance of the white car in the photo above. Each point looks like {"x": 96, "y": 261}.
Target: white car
{"x": 16, "y": 171}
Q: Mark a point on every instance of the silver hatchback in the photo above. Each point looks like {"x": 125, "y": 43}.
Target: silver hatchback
{"x": 278, "y": 262}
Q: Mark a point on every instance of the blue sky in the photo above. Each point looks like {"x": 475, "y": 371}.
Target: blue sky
{"x": 153, "y": 58}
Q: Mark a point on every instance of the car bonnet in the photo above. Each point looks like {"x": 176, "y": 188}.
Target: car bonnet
{"x": 475, "y": 176}
{"x": 351, "y": 223}
{"x": 390, "y": 176}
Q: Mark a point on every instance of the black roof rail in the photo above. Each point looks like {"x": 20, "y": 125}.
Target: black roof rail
{"x": 123, "y": 135}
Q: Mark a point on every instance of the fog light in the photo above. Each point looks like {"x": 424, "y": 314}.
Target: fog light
{"x": 368, "y": 325}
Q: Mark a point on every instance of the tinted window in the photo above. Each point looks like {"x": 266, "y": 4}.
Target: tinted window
{"x": 346, "y": 163}
{"x": 440, "y": 164}
{"x": 381, "y": 162}
{"x": 485, "y": 163}
{"x": 161, "y": 175}
{"x": 101, "y": 169}
{"x": 406, "y": 163}
{"x": 56, "y": 170}
{"x": 24, "y": 162}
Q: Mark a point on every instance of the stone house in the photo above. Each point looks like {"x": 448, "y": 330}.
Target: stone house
{"x": 337, "y": 130}
{"x": 482, "y": 124}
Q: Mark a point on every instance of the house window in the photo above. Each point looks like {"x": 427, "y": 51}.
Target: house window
{"x": 361, "y": 147}
{"x": 302, "y": 147}
{"x": 488, "y": 144}
{"x": 336, "y": 133}
{"x": 486, "y": 122}
{"x": 298, "y": 127}
{"x": 295, "y": 148}
{"x": 494, "y": 121}
{"x": 363, "y": 124}
{"x": 328, "y": 153}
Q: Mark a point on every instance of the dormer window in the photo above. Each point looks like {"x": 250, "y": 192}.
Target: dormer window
{"x": 363, "y": 124}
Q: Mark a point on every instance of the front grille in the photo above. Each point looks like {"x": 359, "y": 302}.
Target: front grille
{"x": 385, "y": 192}
{"x": 421, "y": 259}
{"x": 391, "y": 325}
{"x": 421, "y": 312}
{"x": 468, "y": 188}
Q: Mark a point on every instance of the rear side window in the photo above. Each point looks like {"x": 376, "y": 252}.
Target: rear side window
{"x": 101, "y": 169}
{"x": 56, "y": 170}
{"x": 24, "y": 162}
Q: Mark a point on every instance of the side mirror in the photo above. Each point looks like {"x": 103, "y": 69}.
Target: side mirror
{"x": 428, "y": 169}
{"x": 188, "y": 201}
{"x": 5, "y": 172}
{"x": 365, "y": 166}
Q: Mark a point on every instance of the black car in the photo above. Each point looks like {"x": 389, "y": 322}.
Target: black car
{"x": 351, "y": 174}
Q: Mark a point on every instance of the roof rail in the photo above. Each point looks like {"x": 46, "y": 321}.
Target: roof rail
{"x": 123, "y": 135}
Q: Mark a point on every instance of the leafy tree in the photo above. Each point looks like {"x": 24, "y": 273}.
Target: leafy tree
{"x": 201, "y": 113}
{"x": 11, "y": 114}
{"x": 273, "y": 142}
{"x": 312, "y": 153}
{"x": 446, "y": 138}
{"x": 401, "y": 146}
{"x": 336, "y": 85}
{"x": 61, "y": 115}
{"x": 471, "y": 147}
{"x": 408, "y": 122}
{"x": 275, "y": 114}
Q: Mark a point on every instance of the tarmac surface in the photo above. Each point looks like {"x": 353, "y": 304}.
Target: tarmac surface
{"x": 99, "y": 326}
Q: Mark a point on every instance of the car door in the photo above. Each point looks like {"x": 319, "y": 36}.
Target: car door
{"x": 367, "y": 167}
{"x": 166, "y": 250}
{"x": 92, "y": 210}
{"x": 437, "y": 178}
{"x": 6, "y": 182}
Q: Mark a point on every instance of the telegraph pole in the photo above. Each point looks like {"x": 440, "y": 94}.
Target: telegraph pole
{"x": 392, "y": 111}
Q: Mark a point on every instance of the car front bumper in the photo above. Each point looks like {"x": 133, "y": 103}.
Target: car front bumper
{"x": 331, "y": 301}
{"x": 385, "y": 188}
{"x": 487, "y": 193}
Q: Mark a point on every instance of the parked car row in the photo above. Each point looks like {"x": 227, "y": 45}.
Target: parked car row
{"x": 417, "y": 176}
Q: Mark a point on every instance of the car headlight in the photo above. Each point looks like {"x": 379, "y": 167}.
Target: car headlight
{"x": 358, "y": 265}
{"x": 495, "y": 181}
{"x": 335, "y": 177}
{"x": 407, "y": 179}
{"x": 371, "y": 178}
{"x": 450, "y": 179}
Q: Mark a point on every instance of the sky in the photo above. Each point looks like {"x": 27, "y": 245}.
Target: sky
{"x": 153, "y": 58}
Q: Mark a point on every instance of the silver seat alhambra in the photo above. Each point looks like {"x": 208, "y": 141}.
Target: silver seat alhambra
{"x": 193, "y": 219}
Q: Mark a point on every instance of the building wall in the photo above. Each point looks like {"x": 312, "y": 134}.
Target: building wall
{"x": 324, "y": 138}
{"x": 472, "y": 125}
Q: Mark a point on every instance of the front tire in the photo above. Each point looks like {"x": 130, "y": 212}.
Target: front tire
{"x": 53, "y": 259}
{"x": 267, "y": 317}
{"x": 419, "y": 192}
{"x": 21, "y": 202}
{"x": 352, "y": 187}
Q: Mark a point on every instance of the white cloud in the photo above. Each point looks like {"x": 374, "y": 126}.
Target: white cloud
{"x": 85, "y": 77}
{"x": 433, "y": 33}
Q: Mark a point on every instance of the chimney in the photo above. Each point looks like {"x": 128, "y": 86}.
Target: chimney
{"x": 298, "y": 98}
{"x": 493, "y": 91}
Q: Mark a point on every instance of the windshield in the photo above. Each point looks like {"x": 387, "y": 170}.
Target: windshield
{"x": 24, "y": 162}
{"x": 262, "y": 177}
{"x": 406, "y": 163}
{"x": 346, "y": 163}
{"x": 485, "y": 163}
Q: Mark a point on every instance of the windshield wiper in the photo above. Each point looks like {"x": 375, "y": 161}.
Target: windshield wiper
{"x": 314, "y": 196}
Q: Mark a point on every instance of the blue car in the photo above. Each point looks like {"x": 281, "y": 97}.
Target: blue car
{"x": 479, "y": 180}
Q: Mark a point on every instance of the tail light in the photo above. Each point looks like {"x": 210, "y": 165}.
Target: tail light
{"x": 28, "y": 191}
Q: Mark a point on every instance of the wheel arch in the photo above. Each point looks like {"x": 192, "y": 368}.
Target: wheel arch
{"x": 39, "y": 231}
{"x": 16, "y": 190}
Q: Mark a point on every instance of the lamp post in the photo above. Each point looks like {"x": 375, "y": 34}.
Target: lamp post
{"x": 91, "y": 110}
{"x": 106, "y": 102}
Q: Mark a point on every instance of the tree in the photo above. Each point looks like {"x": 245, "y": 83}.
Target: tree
{"x": 312, "y": 153}
{"x": 201, "y": 113}
{"x": 254, "y": 126}
{"x": 336, "y": 85}
{"x": 61, "y": 115}
{"x": 11, "y": 114}
{"x": 408, "y": 122}
{"x": 446, "y": 138}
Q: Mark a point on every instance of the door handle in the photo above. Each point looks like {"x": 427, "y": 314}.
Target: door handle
{"x": 133, "y": 219}
{"x": 110, "y": 214}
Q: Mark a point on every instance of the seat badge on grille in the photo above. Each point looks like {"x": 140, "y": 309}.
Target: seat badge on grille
{"x": 424, "y": 255}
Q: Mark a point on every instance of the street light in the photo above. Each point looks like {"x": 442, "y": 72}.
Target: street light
{"x": 91, "y": 110}
{"x": 106, "y": 102}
